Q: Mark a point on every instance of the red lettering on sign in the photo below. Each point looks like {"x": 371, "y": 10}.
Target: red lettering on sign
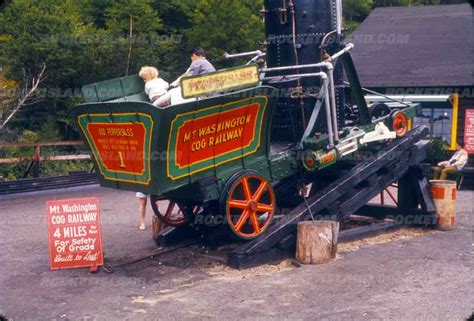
{"x": 120, "y": 146}
{"x": 214, "y": 135}
{"x": 74, "y": 233}
{"x": 469, "y": 131}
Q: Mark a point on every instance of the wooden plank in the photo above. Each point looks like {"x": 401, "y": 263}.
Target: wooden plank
{"x": 366, "y": 231}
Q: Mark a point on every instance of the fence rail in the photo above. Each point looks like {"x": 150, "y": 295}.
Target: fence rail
{"x": 37, "y": 157}
{"x": 37, "y": 152}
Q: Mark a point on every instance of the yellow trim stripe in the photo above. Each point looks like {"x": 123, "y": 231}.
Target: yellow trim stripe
{"x": 454, "y": 127}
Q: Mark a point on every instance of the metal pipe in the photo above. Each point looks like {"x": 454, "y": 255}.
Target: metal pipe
{"x": 328, "y": 112}
{"x": 295, "y": 76}
{"x": 381, "y": 95}
{"x": 326, "y": 37}
{"x": 318, "y": 65}
{"x": 348, "y": 48}
{"x": 314, "y": 116}
{"x": 293, "y": 31}
{"x": 244, "y": 54}
{"x": 333, "y": 104}
{"x": 339, "y": 17}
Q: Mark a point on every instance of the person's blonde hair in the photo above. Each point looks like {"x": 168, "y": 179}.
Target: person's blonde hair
{"x": 148, "y": 73}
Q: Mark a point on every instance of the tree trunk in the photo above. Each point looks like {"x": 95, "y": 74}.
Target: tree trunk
{"x": 316, "y": 241}
{"x": 35, "y": 82}
{"x": 129, "y": 45}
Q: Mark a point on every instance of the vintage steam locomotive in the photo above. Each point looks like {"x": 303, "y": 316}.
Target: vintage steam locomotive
{"x": 254, "y": 137}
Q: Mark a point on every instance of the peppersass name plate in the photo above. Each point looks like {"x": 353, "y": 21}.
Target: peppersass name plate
{"x": 224, "y": 80}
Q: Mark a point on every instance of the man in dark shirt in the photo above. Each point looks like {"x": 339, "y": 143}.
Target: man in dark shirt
{"x": 200, "y": 65}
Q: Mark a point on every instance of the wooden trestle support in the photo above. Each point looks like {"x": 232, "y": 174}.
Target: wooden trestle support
{"x": 349, "y": 194}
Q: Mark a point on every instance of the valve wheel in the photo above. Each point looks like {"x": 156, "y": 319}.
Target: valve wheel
{"x": 400, "y": 124}
{"x": 175, "y": 214}
{"x": 250, "y": 205}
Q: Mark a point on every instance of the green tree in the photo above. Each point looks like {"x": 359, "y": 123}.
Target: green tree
{"x": 35, "y": 34}
{"x": 32, "y": 36}
{"x": 225, "y": 25}
{"x": 77, "y": 47}
{"x": 355, "y": 11}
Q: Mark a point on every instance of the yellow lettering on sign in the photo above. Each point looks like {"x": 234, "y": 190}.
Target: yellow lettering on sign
{"x": 119, "y": 132}
{"x": 219, "y": 81}
{"x": 187, "y": 137}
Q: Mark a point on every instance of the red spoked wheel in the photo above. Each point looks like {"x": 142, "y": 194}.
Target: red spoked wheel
{"x": 175, "y": 213}
{"x": 400, "y": 124}
{"x": 250, "y": 205}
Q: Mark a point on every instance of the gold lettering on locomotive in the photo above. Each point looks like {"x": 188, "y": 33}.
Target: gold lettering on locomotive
{"x": 215, "y": 134}
{"x": 187, "y": 137}
{"x": 121, "y": 132}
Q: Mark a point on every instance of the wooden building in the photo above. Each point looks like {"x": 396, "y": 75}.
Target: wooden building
{"x": 424, "y": 53}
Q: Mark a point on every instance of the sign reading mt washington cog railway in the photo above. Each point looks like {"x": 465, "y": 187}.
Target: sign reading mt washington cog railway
{"x": 206, "y": 138}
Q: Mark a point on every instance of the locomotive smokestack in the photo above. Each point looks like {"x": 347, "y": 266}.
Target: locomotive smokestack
{"x": 300, "y": 24}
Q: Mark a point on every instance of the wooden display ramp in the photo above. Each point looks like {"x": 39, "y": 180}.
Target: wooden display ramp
{"x": 349, "y": 194}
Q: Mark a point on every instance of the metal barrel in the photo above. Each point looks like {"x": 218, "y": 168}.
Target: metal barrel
{"x": 444, "y": 197}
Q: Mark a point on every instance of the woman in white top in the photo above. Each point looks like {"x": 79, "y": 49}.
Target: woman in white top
{"x": 156, "y": 88}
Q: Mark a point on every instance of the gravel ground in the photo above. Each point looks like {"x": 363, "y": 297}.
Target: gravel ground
{"x": 407, "y": 275}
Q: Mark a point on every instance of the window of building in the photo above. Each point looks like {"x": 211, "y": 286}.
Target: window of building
{"x": 438, "y": 120}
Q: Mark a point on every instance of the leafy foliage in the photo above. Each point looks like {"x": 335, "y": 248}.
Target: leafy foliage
{"x": 85, "y": 41}
{"x": 439, "y": 150}
{"x": 242, "y": 32}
